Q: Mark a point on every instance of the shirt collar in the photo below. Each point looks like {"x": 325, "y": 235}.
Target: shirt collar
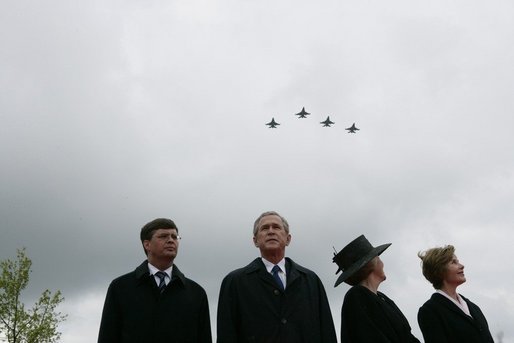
{"x": 460, "y": 304}
{"x": 152, "y": 269}
{"x": 269, "y": 265}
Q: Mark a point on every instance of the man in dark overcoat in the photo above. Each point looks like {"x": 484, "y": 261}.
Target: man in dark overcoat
{"x": 156, "y": 303}
{"x": 273, "y": 299}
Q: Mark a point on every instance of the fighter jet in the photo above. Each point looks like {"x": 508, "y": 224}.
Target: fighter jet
{"x": 272, "y": 124}
{"x": 352, "y": 129}
{"x": 302, "y": 114}
{"x": 327, "y": 122}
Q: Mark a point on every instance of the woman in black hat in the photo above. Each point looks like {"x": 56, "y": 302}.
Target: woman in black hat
{"x": 367, "y": 314}
{"x": 447, "y": 316}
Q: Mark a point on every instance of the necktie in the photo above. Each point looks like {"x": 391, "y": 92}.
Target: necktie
{"x": 274, "y": 271}
{"x": 162, "y": 283}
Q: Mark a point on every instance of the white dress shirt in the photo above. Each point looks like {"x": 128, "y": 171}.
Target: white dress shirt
{"x": 281, "y": 274}
{"x": 152, "y": 269}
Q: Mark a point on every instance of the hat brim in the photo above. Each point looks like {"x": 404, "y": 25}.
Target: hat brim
{"x": 361, "y": 263}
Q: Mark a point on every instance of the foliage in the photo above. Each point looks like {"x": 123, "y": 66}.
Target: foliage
{"x": 18, "y": 325}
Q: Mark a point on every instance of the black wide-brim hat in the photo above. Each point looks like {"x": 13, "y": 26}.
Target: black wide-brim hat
{"x": 354, "y": 256}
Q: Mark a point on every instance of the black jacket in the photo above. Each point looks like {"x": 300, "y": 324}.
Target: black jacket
{"x": 367, "y": 317}
{"x": 441, "y": 321}
{"x": 252, "y": 309}
{"x": 135, "y": 311}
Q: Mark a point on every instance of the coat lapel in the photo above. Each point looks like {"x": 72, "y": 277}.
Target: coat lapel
{"x": 474, "y": 311}
{"x": 141, "y": 273}
{"x": 451, "y": 306}
{"x": 293, "y": 274}
{"x": 257, "y": 266}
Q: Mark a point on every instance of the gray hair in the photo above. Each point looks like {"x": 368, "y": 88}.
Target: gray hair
{"x": 269, "y": 213}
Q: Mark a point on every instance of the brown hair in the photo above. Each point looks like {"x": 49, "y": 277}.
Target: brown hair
{"x": 434, "y": 262}
{"x": 148, "y": 230}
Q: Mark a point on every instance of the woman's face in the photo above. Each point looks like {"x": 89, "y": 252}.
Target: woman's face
{"x": 379, "y": 268}
{"x": 454, "y": 273}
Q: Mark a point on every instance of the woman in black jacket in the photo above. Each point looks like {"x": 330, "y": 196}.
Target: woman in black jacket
{"x": 367, "y": 314}
{"x": 448, "y": 317}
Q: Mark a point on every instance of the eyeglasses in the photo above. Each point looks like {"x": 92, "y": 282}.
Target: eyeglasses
{"x": 165, "y": 237}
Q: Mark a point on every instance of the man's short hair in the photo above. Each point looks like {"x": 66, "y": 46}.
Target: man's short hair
{"x": 148, "y": 230}
{"x": 269, "y": 213}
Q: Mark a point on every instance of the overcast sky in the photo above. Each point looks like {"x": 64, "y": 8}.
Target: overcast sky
{"x": 114, "y": 113}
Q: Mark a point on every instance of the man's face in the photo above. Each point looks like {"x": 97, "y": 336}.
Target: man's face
{"x": 271, "y": 234}
{"x": 163, "y": 245}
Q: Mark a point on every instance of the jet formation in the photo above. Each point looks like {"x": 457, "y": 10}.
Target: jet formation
{"x": 303, "y": 114}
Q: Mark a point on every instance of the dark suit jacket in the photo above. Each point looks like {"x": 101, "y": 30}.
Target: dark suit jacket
{"x": 135, "y": 311}
{"x": 252, "y": 309}
{"x": 367, "y": 317}
{"x": 441, "y": 321}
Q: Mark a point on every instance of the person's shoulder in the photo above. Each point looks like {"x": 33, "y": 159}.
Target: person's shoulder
{"x": 193, "y": 285}
{"x": 430, "y": 303}
{"x": 131, "y": 276}
{"x": 186, "y": 281}
{"x": 358, "y": 297}
{"x": 140, "y": 271}
{"x": 300, "y": 268}
{"x": 121, "y": 280}
{"x": 357, "y": 291}
{"x": 253, "y": 266}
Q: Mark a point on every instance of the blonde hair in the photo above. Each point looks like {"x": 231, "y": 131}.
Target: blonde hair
{"x": 434, "y": 264}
